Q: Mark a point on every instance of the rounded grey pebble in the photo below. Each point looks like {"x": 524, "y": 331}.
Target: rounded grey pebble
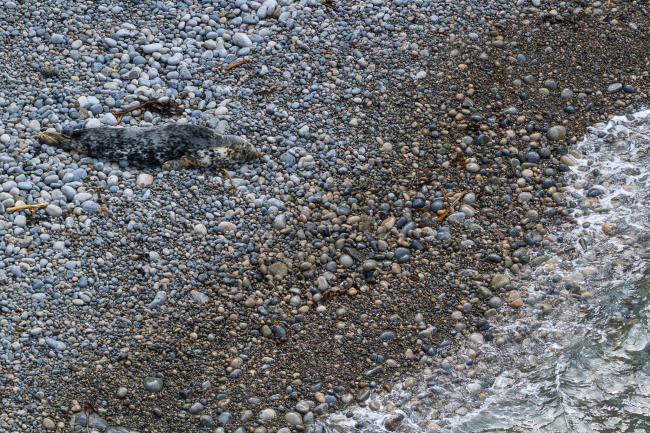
{"x": 556, "y": 133}
{"x": 196, "y": 408}
{"x": 615, "y": 87}
{"x": 293, "y": 418}
{"x": 474, "y": 388}
{"x": 566, "y": 93}
{"x": 346, "y": 261}
{"x": 495, "y": 302}
{"x": 207, "y": 421}
{"x": 267, "y": 415}
{"x": 153, "y": 384}
{"x": 241, "y": 40}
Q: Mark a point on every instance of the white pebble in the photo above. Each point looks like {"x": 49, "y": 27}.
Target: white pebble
{"x": 20, "y": 221}
{"x": 267, "y": 415}
{"x": 241, "y": 40}
{"x": 226, "y": 227}
{"x": 304, "y": 131}
{"x": 144, "y": 180}
{"x": 93, "y": 123}
{"x": 53, "y": 210}
{"x": 109, "y": 119}
{"x": 200, "y": 229}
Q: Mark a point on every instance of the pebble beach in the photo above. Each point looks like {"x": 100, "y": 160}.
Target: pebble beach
{"x": 413, "y": 171}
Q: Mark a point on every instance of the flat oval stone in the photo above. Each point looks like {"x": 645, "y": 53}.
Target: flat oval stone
{"x": 615, "y": 87}
{"x": 387, "y": 336}
{"x": 267, "y": 415}
{"x": 153, "y": 384}
{"x": 556, "y": 133}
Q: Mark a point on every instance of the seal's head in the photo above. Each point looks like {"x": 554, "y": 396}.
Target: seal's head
{"x": 217, "y": 156}
{"x": 244, "y": 152}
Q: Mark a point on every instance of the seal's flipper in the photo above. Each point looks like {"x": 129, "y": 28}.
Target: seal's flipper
{"x": 172, "y": 164}
{"x": 56, "y": 139}
{"x": 184, "y": 161}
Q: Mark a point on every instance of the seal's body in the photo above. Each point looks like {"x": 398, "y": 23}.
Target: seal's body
{"x": 171, "y": 145}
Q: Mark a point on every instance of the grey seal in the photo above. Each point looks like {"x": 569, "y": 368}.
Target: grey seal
{"x": 171, "y": 146}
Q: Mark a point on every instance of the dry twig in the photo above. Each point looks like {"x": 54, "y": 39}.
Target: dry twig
{"x": 450, "y": 207}
{"x": 237, "y": 63}
{"x": 169, "y": 108}
{"x": 30, "y": 207}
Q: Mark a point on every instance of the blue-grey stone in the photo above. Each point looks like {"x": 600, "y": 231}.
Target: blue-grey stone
{"x": 55, "y": 344}
{"x": 267, "y": 9}
{"x": 444, "y": 234}
{"x": 82, "y": 196}
{"x": 615, "y": 87}
{"x": 196, "y": 408}
{"x": 25, "y": 186}
{"x": 628, "y": 88}
{"x": 109, "y": 119}
{"x": 225, "y": 418}
{"x": 241, "y": 40}
{"x": 557, "y": 132}
{"x": 437, "y": 205}
{"x": 153, "y": 384}
{"x": 402, "y": 254}
{"x": 206, "y": 421}
{"x": 288, "y": 159}
{"x": 90, "y": 207}
{"x": 185, "y": 73}
{"x": 532, "y": 157}
{"x": 57, "y": 38}
{"x": 96, "y": 109}
{"x": 50, "y": 179}
{"x": 16, "y": 271}
{"x": 175, "y": 59}
{"x": 276, "y": 203}
{"x": 53, "y": 210}
{"x": 456, "y": 217}
{"x": 159, "y": 300}
{"x": 250, "y": 19}
{"x": 79, "y": 173}
{"x": 151, "y": 48}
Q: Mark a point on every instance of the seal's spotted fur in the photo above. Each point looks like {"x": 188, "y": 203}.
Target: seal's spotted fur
{"x": 172, "y": 145}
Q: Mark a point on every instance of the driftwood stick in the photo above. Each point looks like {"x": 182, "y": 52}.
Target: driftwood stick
{"x": 30, "y": 207}
{"x": 164, "y": 107}
{"x": 237, "y": 63}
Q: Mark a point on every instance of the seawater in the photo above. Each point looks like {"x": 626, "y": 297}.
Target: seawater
{"x": 585, "y": 367}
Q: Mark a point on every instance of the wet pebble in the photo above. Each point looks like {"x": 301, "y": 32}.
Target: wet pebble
{"x": 153, "y": 384}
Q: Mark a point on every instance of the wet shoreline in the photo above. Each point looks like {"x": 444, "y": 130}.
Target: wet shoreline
{"x": 580, "y": 366}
